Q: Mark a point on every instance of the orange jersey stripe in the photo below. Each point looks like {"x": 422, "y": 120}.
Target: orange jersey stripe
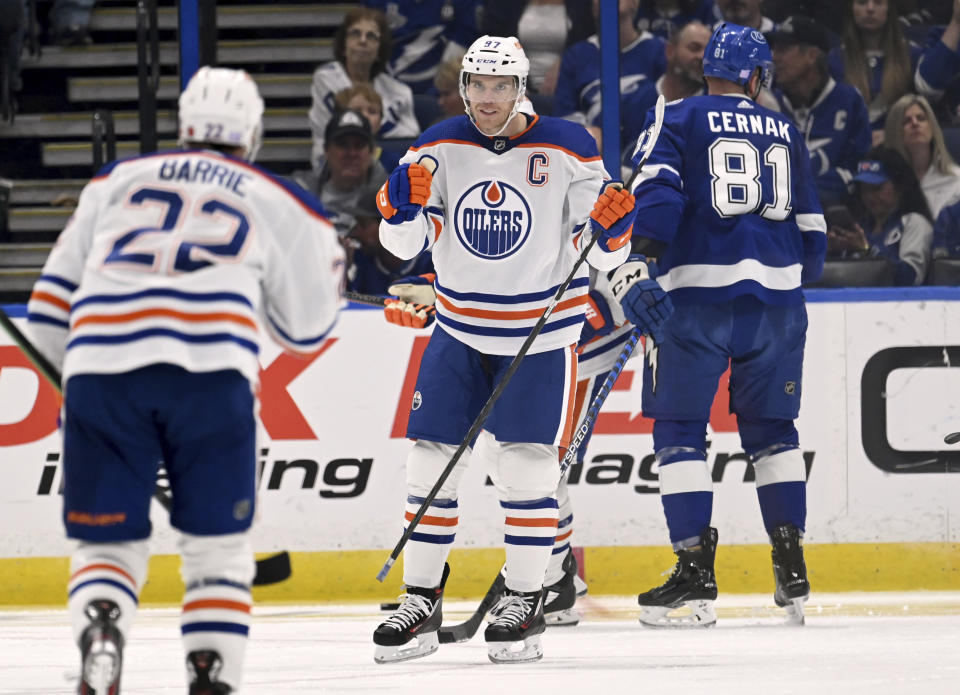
{"x": 532, "y": 523}
{"x": 166, "y": 313}
{"x": 571, "y": 421}
{"x": 548, "y": 145}
{"x": 104, "y": 566}
{"x": 216, "y": 603}
{"x": 509, "y": 315}
{"x": 50, "y": 299}
{"x": 433, "y": 520}
{"x": 564, "y": 536}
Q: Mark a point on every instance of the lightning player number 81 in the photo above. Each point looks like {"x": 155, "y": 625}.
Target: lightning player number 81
{"x": 736, "y": 186}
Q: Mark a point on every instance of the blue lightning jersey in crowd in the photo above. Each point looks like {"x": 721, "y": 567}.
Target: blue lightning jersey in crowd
{"x": 728, "y": 188}
{"x": 837, "y": 131}
{"x": 578, "y": 84}
{"x": 422, "y": 31}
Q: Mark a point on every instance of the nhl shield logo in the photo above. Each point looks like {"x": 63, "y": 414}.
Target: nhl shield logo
{"x": 492, "y": 219}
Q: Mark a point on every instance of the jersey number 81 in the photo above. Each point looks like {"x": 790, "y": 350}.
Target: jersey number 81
{"x": 736, "y": 188}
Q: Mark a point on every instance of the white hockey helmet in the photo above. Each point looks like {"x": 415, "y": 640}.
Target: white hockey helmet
{"x": 222, "y": 106}
{"x": 495, "y": 55}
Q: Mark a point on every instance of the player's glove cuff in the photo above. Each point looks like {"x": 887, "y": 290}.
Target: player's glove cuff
{"x": 599, "y": 320}
{"x": 645, "y": 303}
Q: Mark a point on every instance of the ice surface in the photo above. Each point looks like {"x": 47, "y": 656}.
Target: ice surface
{"x": 852, "y": 643}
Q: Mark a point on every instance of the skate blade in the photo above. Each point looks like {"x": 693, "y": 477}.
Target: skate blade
{"x": 689, "y": 614}
{"x": 519, "y": 652}
{"x": 579, "y": 585}
{"x": 101, "y": 670}
{"x": 568, "y": 617}
{"x": 794, "y": 610}
{"x": 420, "y": 646}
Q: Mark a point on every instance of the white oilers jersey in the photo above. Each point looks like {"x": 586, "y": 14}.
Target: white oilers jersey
{"x": 506, "y": 223}
{"x": 175, "y": 258}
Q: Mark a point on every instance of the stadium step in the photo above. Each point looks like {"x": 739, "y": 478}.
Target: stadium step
{"x": 230, "y": 53}
{"x": 44, "y": 191}
{"x": 19, "y": 280}
{"x": 114, "y": 89}
{"x": 38, "y": 219}
{"x": 238, "y": 17}
{"x": 80, "y": 124}
{"x": 288, "y": 150}
{"x": 24, "y": 255}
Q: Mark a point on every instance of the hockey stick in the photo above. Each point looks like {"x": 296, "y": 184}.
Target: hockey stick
{"x": 512, "y": 368}
{"x": 587, "y": 423}
{"x": 270, "y": 570}
{"x": 464, "y": 631}
{"x": 368, "y": 299}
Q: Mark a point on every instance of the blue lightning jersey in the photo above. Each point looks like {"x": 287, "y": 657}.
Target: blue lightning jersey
{"x": 421, "y": 32}
{"x": 837, "y": 131}
{"x": 578, "y": 84}
{"x": 728, "y": 188}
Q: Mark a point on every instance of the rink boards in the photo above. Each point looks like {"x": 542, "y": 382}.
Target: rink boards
{"x": 880, "y": 391}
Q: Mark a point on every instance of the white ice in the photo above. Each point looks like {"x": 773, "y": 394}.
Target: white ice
{"x": 852, "y": 643}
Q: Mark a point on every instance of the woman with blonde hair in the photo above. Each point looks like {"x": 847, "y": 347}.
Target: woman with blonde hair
{"x": 912, "y": 130}
{"x": 876, "y": 59}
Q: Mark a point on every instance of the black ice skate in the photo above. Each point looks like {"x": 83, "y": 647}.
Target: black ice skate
{"x": 101, "y": 650}
{"x": 513, "y": 636}
{"x": 411, "y": 632}
{"x": 790, "y": 572}
{"x": 559, "y": 598}
{"x": 692, "y": 587}
{"x": 203, "y": 669}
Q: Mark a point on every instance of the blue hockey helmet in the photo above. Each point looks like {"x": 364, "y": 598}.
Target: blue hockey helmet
{"x": 734, "y": 52}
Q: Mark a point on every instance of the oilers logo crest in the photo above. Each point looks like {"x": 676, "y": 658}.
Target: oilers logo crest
{"x": 492, "y": 219}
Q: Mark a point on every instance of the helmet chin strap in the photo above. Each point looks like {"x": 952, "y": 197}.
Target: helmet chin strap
{"x": 513, "y": 112}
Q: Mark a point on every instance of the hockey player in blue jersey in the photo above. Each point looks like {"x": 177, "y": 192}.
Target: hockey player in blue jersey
{"x": 503, "y": 200}
{"x": 728, "y": 204}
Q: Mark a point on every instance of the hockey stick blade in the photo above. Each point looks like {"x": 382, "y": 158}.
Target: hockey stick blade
{"x": 270, "y": 570}
{"x": 650, "y": 143}
{"x": 465, "y": 631}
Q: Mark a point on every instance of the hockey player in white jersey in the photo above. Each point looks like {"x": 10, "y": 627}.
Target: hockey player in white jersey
{"x": 151, "y": 304}
{"x": 503, "y": 200}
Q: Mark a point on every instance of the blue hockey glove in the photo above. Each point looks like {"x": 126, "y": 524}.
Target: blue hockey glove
{"x": 613, "y": 215}
{"x": 404, "y": 193}
{"x": 599, "y": 319}
{"x": 644, "y": 302}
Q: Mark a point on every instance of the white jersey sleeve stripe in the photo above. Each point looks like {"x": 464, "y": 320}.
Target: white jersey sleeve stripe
{"x": 811, "y": 222}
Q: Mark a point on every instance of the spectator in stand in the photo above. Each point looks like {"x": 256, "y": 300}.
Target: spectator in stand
{"x": 361, "y": 48}
{"x": 682, "y": 78}
{"x": 664, "y": 18}
{"x": 877, "y": 59}
{"x": 642, "y": 60}
{"x": 545, "y": 28}
{"x": 364, "y": 98}
{"x": 371, "y": 269}
{"x": 913, "y": 131}
{"x": 746, "y": 13}
{"x": 827, "y": 13}
{"x": 349, "y": 172}
{"x": 69, "y": 22}
{"x": 939, "y": 67}
{"x": 831, "y": 115}
{"x": 426, "y": 33}
{"x": 894, "y": 218}
{"x": 447, "y": 84}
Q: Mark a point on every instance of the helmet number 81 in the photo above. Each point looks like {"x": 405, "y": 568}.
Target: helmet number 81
{"x": 736, "y": 188}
